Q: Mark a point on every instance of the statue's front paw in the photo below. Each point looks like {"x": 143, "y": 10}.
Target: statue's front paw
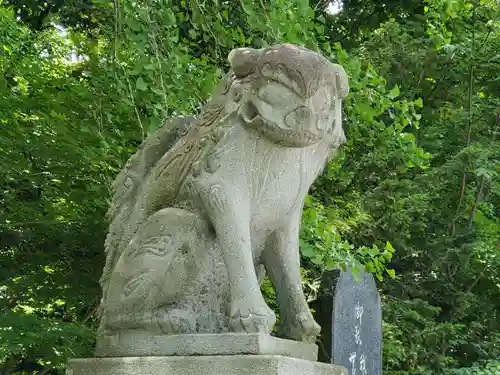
{"x": 251, "y": 317}
{"x": 302, "y": 327}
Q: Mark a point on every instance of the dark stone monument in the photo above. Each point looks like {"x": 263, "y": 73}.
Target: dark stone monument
{"x": 322, "y": 309}
{"x": 357, "y": 325}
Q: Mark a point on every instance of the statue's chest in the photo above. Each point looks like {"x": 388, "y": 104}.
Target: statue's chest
{"x": 276, "y": 175}
{"x": 278, "y": 186}
{"x": 275, "y": 179}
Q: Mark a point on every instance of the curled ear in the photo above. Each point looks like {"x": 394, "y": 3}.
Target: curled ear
{"x": 243, "y": 61}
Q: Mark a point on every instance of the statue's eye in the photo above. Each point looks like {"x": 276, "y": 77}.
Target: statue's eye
{"x": 270, "y": 94}
{"x": 278, "y": 95}
{"x": 299, "y": 116}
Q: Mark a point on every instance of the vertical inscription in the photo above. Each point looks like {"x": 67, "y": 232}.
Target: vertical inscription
{"x": 352, "y": 359}
{"x": 358, "y": 313}
{"x": 362, "y": 364}
{"x": 357, "y": 325}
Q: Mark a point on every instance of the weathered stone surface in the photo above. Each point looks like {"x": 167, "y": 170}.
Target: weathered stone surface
{"x": 131, "y": 343}
{"x": 357, "y": 325}
{"x": 208, "y": 204}
{"x": 210, "y": 365}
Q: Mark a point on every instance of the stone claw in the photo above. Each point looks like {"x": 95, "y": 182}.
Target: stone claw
{"x": 302, "y": 327}
{"x": 252, "y": 318}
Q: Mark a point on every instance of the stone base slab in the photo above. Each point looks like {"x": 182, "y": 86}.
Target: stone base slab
{"x": 142, "y": 344}
{"x": 207, "y": 365}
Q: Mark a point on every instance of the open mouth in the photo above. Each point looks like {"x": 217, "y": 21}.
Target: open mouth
{"x": 250, "y": 113}
{"x": 284, "y": 136}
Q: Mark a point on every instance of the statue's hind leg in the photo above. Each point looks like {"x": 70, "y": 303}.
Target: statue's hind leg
{"x": 156, "y": 272}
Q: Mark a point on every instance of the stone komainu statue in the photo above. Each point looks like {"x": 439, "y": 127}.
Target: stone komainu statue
{"x": 207, "y": 205}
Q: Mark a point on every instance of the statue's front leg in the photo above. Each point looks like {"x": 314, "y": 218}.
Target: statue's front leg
{"x": 229, "y": 213}
{"x": 282, "y": 262}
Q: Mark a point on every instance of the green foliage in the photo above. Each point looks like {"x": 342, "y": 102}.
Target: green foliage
{"x": 486, "y": 368}
{"x": 78, "y": 14}
{"x": 414, "y": 194}
{"x": 448, "y": 254}
{"x": 53, "y": 192}
{"x": 323, "y": 245}
{"x": 30, "y": 336}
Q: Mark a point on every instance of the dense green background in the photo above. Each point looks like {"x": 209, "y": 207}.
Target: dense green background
{"x": 414, "y": 195}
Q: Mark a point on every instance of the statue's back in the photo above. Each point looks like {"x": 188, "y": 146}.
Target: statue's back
{"x": 127, "y": 187}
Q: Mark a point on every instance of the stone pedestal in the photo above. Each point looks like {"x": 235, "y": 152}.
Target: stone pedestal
{"x": 202, "y": 365}
{"x": 136, "y": 353}
{"x": 143, "y": 344}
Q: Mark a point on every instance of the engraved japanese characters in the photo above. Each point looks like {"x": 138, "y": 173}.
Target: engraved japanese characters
{"x": 207, "y": 205}
{"x": 357, "y": 324}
